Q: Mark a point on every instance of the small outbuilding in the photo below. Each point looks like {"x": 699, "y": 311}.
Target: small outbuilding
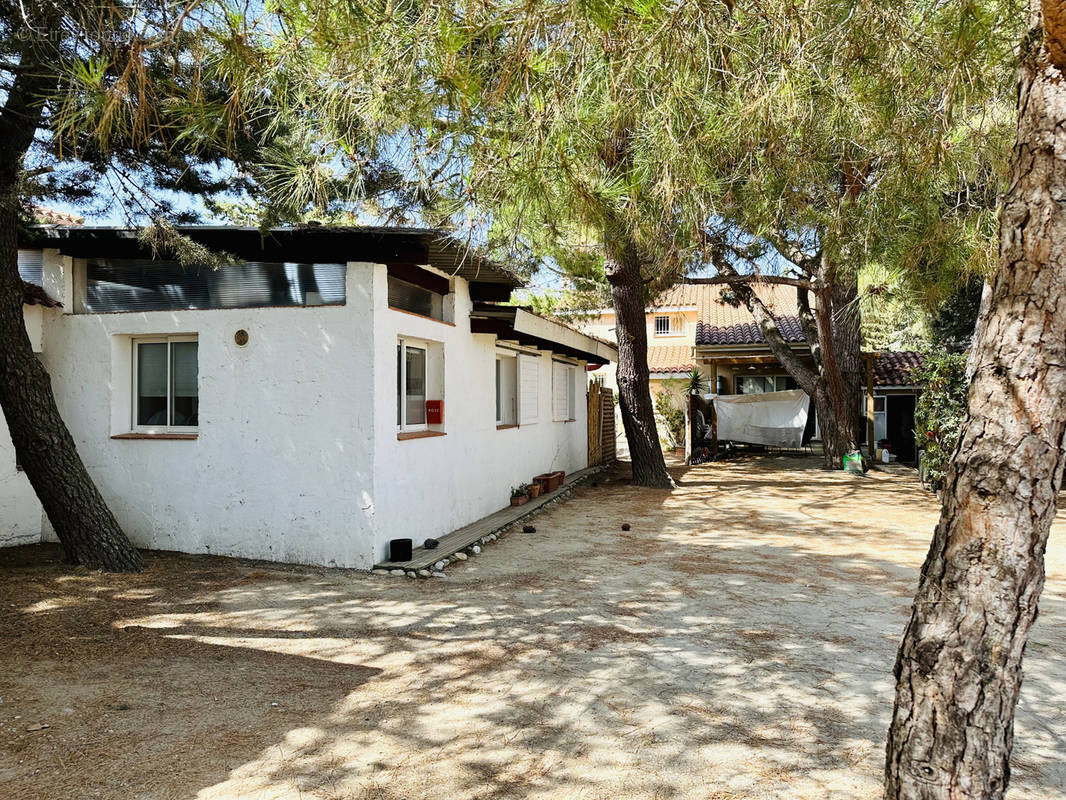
{"x": 330, "y": 390}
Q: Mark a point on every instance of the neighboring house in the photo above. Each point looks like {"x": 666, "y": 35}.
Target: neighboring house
{"x": 337, "y": 388}
{"x": 691, "y": 325}
{"x": 671, "y": 330}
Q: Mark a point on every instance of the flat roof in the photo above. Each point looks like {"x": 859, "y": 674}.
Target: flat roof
{"x": 513, "y": 323}
{"x": 301, "y": 243}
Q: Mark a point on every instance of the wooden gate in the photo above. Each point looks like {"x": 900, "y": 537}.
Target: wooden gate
{"x": 601, "y": 425}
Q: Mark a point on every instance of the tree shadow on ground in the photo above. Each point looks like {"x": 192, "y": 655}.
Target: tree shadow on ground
{"x": 737, "y": 641}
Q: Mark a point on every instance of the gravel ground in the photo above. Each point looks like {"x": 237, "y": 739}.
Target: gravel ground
{"x": 737, "y": 642}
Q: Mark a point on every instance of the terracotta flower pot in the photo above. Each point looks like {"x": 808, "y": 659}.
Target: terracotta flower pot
{"x": 544, "y": 481}
{"x": 534, "y": 490}
{"x": 520, "y": 501}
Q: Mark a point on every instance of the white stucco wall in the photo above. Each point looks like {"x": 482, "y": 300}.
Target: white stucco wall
{"x": 429, "y": 487}
{"x": 20, "y": 512}
{"x": 282, "y": 468}
{"x": 296, "y": 457}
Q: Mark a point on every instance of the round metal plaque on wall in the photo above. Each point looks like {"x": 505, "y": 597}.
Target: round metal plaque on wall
{"x": 241, "y": 337}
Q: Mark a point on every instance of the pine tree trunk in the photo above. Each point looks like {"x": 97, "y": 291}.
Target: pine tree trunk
{"x": 836, "y": 440}
{"x": 82, "y": 521}
{"x": 847, "y": 339}
{"x": 85, "y": 526}
{"x": 622, "y": 267}
{"x": 959, "y": 668}
{"x": 835, "y": 400}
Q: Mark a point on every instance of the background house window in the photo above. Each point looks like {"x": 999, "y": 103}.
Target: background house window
{"x": 166, "y": 392}
{"x": 760, "y": 384}
{"x": 506, "y": 390}
{"x": 410, "y": 386}
{"x": 662, "y": 326}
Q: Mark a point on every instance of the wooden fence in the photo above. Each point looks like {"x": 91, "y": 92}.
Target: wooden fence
{"x": 601, "y": 425}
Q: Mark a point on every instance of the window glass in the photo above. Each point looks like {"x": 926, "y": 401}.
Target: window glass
{"x": 31, "y": 266}
{"x": 506, "y": 390}
{"x": 879, "y": 403}
{"x": 147, "y": 285}
{"x": 408, "y": 297}
{"x": 416, "y": 386}
{"x": 185, "y": 401}
{"x": 152, "y": 383}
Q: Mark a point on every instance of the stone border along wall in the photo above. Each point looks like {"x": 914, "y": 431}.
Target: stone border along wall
{"x": 475, "y": 549}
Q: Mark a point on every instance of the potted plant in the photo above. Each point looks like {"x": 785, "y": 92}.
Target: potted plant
{"x": 534, "y": 490}
{"x": 520, "y": 495}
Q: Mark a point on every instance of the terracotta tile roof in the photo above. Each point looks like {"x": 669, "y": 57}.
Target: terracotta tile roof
{"x": 44, "y": 215}
{"x": 670, "y": 358}
{"x": 748, "y": 333}
{"x": 893, "y": 369}
{"x": 719, "y": 323}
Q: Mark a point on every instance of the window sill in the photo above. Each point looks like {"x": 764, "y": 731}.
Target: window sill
{"x": 505, "y": 427}
{"x": 420, "y": 316}
{"x": 403, "y": 437}
{"x": 184, "y": 437}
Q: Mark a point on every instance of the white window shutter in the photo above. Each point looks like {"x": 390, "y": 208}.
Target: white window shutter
{"x": 559, "y": 391}
{"x": 528, "y": 389}
{"x": 571, "y": 392}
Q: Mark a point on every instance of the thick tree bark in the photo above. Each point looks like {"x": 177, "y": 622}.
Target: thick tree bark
{"x": 959, "y": 668}
{"x": 847, "y": 340}
{"x": 85, "y": 526}
{"x": 622, "y": 266}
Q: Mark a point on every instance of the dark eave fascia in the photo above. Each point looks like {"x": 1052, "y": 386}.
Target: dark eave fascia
{"x": 511, "y": 323}
{"x": 303, "y": 244}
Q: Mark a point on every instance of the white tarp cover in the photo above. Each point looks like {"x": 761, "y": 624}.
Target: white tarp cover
{"x": 773, "y": 418}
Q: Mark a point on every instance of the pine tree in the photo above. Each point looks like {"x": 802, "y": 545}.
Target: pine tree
{"x": 959, "y": 668}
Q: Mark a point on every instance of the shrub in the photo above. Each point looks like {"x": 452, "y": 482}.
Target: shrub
{"x": 672, "y": 416}
{"x": 940, "y": 408}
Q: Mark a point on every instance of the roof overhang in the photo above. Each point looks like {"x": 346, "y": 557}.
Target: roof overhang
{"x": 511, "y": 323}
{"x": 301, "y": 244}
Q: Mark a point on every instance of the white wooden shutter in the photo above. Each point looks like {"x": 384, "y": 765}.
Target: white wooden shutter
{"x": 571, "y": 392}
{"x": 528, "y": 389}
{"x": 560, "y": 395}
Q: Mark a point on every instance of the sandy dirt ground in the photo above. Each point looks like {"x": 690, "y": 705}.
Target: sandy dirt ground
{"x": 737, "y": 642}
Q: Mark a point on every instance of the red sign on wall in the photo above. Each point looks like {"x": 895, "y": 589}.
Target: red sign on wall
{"x": 435, "y": 412}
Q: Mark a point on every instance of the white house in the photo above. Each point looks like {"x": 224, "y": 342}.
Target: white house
{"x": 337, "y": 388}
